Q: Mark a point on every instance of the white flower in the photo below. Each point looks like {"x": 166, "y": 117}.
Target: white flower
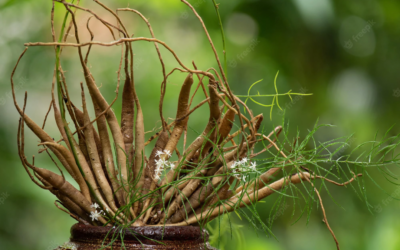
{"x": 95, "y": 206}
{"x": 253, "y": 166}
{"x": 244, "y": 160}
{"x": 160, "y": 162}
{"x": 243, "y": 166}
{"x": 95, "y": 215}
{"x": 234, "y": 165}
{"x": 159, "y": 153}
{"x": 158, "y": 170}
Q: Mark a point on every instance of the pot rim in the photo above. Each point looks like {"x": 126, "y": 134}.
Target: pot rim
{"x": 81, "y": 232}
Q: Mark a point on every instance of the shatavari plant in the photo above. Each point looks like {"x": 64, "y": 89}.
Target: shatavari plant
{"x": 217, "y": 173}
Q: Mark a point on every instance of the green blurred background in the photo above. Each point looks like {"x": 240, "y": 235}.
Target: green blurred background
{"x": 344, "y": 52}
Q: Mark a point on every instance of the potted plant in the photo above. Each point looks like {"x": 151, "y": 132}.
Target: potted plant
{"x": 127, "y": 198}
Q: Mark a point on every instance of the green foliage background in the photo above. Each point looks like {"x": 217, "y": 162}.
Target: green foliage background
{"x": 344, "y": 52}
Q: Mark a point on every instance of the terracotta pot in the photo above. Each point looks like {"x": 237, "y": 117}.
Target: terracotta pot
{"x": 91, "y": 238}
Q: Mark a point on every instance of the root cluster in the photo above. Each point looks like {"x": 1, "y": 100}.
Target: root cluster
{"x": 118, "y": 182}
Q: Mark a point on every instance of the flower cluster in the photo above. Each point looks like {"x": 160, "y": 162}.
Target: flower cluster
{"x": 243, "y": 166}
{"x": 161, "y": 163}
{"x": 95, "y": 215}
